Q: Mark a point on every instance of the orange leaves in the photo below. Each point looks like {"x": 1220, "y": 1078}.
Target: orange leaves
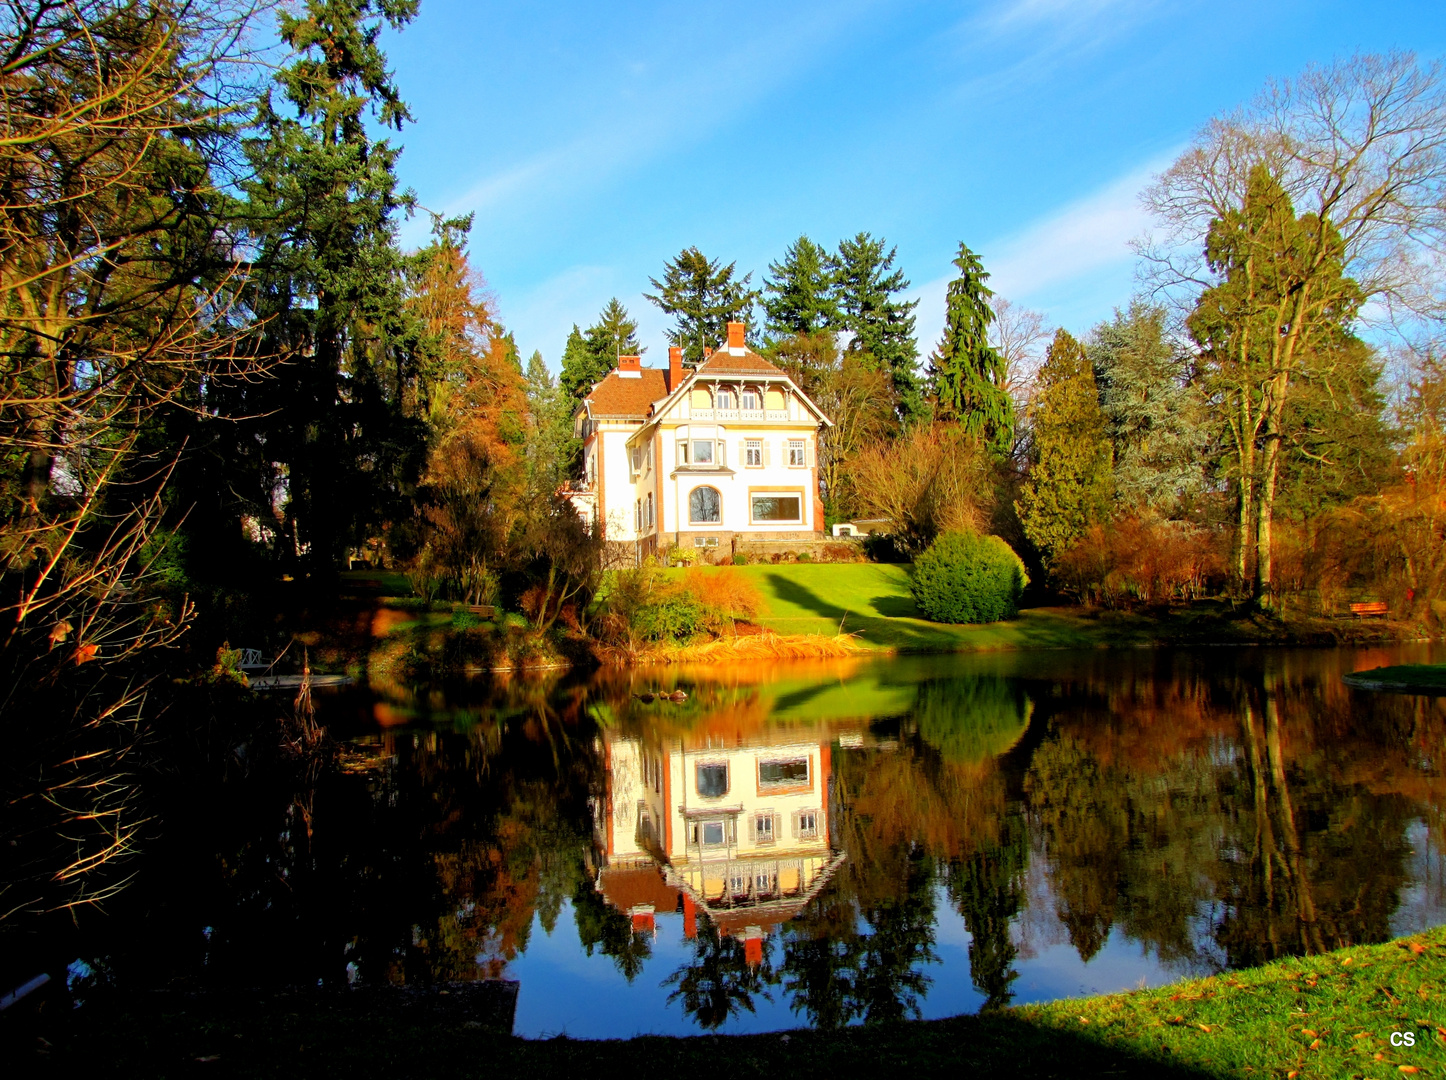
{"x": 724, "y": 594}
{"x": 86, "y": 653}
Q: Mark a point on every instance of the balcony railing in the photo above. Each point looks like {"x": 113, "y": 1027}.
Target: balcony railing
{"x": 751, "y": 416}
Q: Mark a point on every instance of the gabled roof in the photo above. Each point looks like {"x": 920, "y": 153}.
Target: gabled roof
{"x": 629, "y": 399}
{"x": 750, "y": 363}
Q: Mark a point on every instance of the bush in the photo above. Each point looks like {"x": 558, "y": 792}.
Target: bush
{"x": 723, "y": 596}
{"x": 1146, "y": 560}
{"x": 967, "y": 578}
{"x": 804, "y": 556}
{"x": 740, "y": 559}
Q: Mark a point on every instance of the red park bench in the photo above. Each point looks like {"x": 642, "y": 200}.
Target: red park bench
{"x": 1370, "y": 607}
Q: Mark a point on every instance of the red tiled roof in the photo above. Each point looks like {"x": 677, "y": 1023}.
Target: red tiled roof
{"x": 631, "y": 398}
{"x": 725, "y": 363}
{"x": 628, "y": 887}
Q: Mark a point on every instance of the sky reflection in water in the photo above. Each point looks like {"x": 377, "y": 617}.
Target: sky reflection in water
{"x": 844, "y": 842}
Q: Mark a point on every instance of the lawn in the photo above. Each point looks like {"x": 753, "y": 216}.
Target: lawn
{"x": 1410, "y": 678}
{"x": 872, "y": 600}
{"x": 1332, "y": 1015}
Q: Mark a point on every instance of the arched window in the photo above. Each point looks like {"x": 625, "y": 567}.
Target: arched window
{"x": 704, "y": 506}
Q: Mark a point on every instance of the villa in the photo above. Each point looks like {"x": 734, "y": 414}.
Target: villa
{"x": 740, "y": 832}
{"x": 700, "y": 458}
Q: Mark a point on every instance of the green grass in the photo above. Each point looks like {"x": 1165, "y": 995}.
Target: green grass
{"x": 1328, "y": 1016}
{"x": 1430, "y": 678}
{"x": 873, "y": 601}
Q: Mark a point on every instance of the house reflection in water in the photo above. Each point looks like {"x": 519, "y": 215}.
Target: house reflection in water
{"x": 739, "y": 833}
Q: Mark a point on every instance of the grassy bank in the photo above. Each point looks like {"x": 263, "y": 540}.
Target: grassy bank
{"x": 1410, "y": 678}
{"x": 872, "y": 600}
{"x": 1329, "y": 1016}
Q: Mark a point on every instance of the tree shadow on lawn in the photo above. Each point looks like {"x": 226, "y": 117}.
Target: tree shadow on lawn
{"x": 896, "y": 607}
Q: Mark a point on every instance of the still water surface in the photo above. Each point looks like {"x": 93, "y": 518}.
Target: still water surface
{"x": 828, "y": 843}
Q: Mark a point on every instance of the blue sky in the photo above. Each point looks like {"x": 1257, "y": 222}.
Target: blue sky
{"x": 595, "y": 141}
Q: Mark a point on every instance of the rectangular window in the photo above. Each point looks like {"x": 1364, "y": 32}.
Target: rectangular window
{"x": 712, "y": 781}
{"x": 777, "y": 508}
{"x": 702, "y": 452}
{"x": 705, "y": 541}
{"x": 788, "y": 773}
{"x": 712, "y": 834}
{"x": 682, "y": 453}
{"x": 751, "y": 400}
{"x": 807, "y": 824}
{"x": 763, "y": 828}
{"x": 796, "y": 456}
{"x": 753, "y": 450}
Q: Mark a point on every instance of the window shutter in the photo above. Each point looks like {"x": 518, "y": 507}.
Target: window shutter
{"x": 752, "y": 830}
{"x": 795, "y": 824}
{"x": 808, "y": 453}
{"x": 765, "y": 451}
{"x": 742, "y": 452}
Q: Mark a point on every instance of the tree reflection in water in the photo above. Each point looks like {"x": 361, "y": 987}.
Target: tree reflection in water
{"x": 721, "y": 978}
{"x": 1214, "y": 815}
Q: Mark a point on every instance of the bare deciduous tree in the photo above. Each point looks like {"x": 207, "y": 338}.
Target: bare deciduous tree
{"x": 1358, "y": 150}
{"x": 115, "y": 286}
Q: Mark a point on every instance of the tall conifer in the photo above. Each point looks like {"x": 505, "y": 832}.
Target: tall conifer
{"x": 866, "y": 286}
{"x": 703, "y": 296}
{"x": 798, "y": 293}
{"x": 1068, "y": 485}
{"x": 966, "y": 374}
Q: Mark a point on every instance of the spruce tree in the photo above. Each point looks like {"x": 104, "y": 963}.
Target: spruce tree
{"x": 799, "y": 297}
{"x": 582, "y": 368}
{"x": 551, "y": 448}
{"x": 1068, "y": 485}
{"x": 966, "y": 375}
{"x": 327, "y": 283}
{"x": 703, "y": 296}
{"x": 614, "y": 334}
{"x": 865, "y": 287}
{"x": 1154, "y": 415}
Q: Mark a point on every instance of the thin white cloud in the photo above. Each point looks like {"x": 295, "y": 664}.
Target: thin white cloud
{"x": 667, "y": 104}
{"x": 1088, "y": 234}
{"x": 1057, "y": 254}
{"x": 1030, "y": 14}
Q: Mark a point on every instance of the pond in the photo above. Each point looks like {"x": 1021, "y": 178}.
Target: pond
{"x": 753, "y": 848}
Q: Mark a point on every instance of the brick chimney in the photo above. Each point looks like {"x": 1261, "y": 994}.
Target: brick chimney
{"x": 630, "y": 367}
{"x": 707, "y": 351}
{"x": 675, "y": 368}
{"x": 735, "y": 339}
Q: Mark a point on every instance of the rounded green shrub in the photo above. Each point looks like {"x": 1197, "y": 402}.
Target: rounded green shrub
{"x": 966, "y": 578}
{"x": 740, "y": 559}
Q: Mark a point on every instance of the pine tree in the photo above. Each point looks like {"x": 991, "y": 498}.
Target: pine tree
{"x": 1155, "y": 416}
{"x": 703, "y": 297}
{"x": 966, "y": 374}
{"x": 1068, "y": 485}
{"x": 802, "y": 300}
{"x": 865, "y": 284}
